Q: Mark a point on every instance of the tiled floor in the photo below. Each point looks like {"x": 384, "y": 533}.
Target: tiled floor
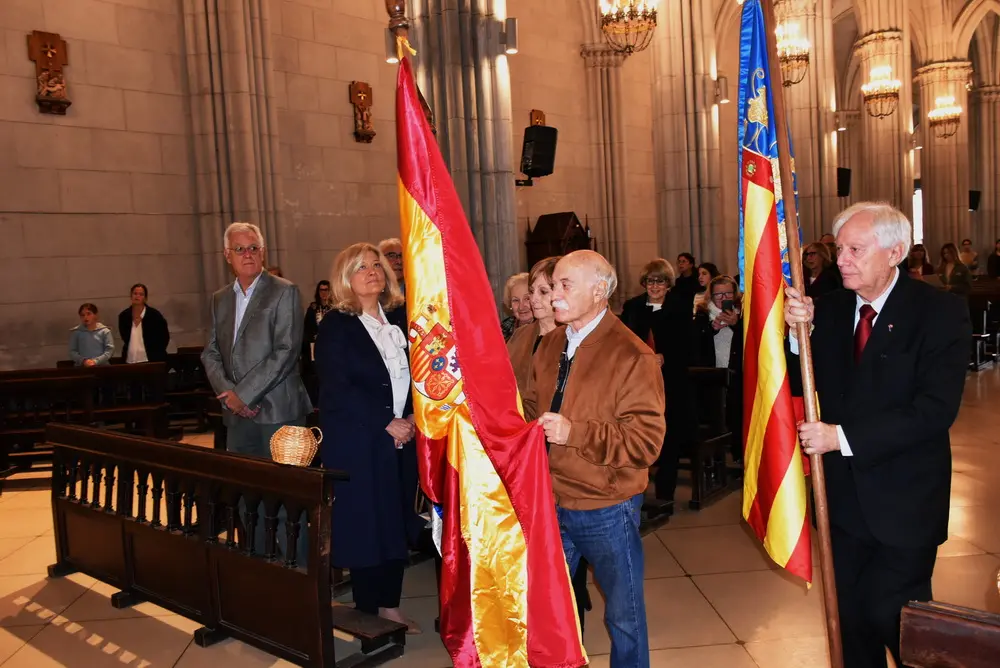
{"x": 714, "y": 600}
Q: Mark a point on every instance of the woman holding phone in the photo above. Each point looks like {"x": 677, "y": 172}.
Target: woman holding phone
{"x": 720, "y": 345}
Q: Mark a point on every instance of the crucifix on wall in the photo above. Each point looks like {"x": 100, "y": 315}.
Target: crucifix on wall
{"x": 50, "y": 54}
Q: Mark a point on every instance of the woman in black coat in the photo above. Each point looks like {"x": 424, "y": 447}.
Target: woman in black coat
{"x": 152, "y": 324}
{"x": 366, "y": 413}
{"x": 661, "y": 317}
{"x": 821, "y": 273}
{"x": 720, "y": 344}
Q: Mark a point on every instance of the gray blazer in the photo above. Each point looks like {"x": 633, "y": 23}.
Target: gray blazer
{"x": 262, "y": 366}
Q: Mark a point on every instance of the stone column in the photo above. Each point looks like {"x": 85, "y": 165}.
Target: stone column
{"x": 887, "y": 173}
{"x": 604, "y": 92}
{"x": 234, "y": 121}
{"x": 944, "y": 163}
{"x": 686, "y": 132}
{"x": 810, "y": 105}
{"x": 464, "y": 77}
{"x": 988, "y": 228}
{"x": 849, "y": 155}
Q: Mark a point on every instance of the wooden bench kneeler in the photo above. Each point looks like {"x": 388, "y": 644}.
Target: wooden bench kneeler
{"x": 162, "y": 522}
{"x": 939, "y": 635}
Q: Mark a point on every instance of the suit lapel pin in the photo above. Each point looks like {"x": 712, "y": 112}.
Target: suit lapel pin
{"x": 890, "y": 326}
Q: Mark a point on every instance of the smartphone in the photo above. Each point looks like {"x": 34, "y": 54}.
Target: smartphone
{"x": 728, "y": 305}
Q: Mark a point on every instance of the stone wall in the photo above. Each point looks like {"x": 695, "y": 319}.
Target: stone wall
{"x": 95, "y": 201}
{"x": 548, "y": 73}
{"x": 335, "y": 191}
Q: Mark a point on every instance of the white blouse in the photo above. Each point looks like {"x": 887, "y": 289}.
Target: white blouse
{"x": 391, "y": 344}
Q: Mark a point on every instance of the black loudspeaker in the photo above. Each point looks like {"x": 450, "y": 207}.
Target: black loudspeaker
{"x": 538, "y": 156}
{"x": 843, "y": 182}
{"x": 974, "y": 200}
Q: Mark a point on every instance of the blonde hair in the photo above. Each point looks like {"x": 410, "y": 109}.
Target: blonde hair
{"x": 508, "y": 287}
{"x": 822, "y": 251}
{"x": 346, "y": 264}
{"x": 658, "y": 268}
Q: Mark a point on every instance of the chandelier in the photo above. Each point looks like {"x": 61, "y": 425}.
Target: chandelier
{"x": 944, "y": 118}
{"x": 881, "y": 93}
{"x": 628, "y": 24}
{"x": 793, "y": 53}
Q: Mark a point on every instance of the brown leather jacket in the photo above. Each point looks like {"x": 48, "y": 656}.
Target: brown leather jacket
{"x": 614, "y": 400}
{"x": 521, "y": 347}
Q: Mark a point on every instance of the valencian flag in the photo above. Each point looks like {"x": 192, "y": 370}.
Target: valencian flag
{"x": 506, "y": 599}
{"x": 774, "y": 486}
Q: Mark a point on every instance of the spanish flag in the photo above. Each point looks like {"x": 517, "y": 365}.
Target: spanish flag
{"x": 506, "y": 598}
{"x": 774, "y": 486}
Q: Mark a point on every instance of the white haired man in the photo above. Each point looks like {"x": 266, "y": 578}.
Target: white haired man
{"x": 890, "y": 355}
{"x": 599, "y": 393}
{"x": 392, "y": 249}
{"x": 252, "y": 355}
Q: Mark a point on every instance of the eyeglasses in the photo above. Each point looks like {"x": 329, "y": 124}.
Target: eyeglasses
{"x": 656, "y": 281}
{"x": 393, "y": 256}
{"x": 724, "y": 295}
{"x": 253, "y": 249}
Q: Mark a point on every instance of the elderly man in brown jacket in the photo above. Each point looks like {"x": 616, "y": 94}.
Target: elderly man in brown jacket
{"x": 598, "y": 393}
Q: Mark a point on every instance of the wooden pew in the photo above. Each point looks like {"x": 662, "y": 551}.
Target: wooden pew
{"x": 26, "y": 406}
{"x": 707, "y": 458}
{"x": 939, "y": 635}
{"x": 160, "y": 521}
{"x": 124, "y": 394}
{"x": 188, "y": 390}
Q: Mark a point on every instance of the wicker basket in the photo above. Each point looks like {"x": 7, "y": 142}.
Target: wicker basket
{"x": 295, "y": 445}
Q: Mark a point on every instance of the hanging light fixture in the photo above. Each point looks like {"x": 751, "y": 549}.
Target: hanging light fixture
{"x": 793, "y": 53}
{"x": 881, "y": 93}
{"x": 628, "y": 25}
{"x": 944, "y": 117}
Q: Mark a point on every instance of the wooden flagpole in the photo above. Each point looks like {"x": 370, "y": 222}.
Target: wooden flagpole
{"x": 829, "y": 586}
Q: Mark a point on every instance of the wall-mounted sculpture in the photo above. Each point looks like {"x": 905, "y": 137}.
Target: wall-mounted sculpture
{"x": 50, "y": 54}
{"x": 361, "y": 98}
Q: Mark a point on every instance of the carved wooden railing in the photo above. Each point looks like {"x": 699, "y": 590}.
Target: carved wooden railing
{"x": 162, "y": 522}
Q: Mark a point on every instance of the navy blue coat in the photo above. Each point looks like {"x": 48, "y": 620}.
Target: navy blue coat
{"x": 373, "y": 514}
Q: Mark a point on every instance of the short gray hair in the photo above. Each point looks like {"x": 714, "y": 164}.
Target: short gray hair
{"x": 245, "y": 228}
{"x": 605, "y": 272}
{"x": 385, "y": 243}
{"x": 891, "y": 226}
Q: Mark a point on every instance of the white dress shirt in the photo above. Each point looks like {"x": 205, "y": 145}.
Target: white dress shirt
{"x": 242, "y": 301}
{"x": 391, "y": 344}
{"x": 878, "y": 304}
{"x": 136, "y": 345}
{"x": 575, "y": 338}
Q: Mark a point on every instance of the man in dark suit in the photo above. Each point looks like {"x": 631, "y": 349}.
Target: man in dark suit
{"x": 890, "y": 355}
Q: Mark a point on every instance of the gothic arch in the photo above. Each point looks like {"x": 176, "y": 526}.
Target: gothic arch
{"x": 918, "y": 38}
{"x": 968, "y": 21}
{"x": 728, "y": 16}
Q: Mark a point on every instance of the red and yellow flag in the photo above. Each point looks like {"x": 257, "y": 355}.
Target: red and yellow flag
{"x": 774, "y": 486}
{"x": 506, "y": 598}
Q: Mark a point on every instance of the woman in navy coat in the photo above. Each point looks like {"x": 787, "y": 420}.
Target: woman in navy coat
{"x": 366, "y": 414}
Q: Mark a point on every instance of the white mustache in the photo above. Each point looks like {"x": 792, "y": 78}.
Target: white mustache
{"x": 560, "y": 305}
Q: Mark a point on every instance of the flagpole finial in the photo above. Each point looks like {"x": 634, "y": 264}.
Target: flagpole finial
{"x": 396, "y": 9}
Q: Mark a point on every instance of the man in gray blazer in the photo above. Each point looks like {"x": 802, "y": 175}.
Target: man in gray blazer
{"x": 252, "y": 356}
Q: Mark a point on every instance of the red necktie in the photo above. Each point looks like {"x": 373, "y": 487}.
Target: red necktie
{"x": 863, "y": 331}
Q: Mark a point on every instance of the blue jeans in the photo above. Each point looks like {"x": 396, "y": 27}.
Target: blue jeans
{"x": 609, "y": 539}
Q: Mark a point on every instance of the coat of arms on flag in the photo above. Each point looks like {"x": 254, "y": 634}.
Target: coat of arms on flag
{"x": 434, "y": 364}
